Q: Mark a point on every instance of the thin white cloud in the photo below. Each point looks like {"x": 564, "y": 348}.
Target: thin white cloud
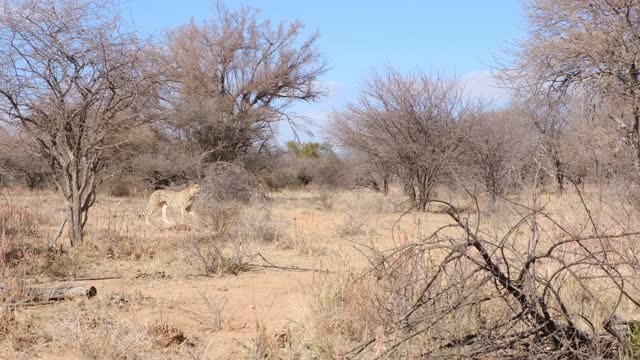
{"x": 334, "y": 91}
{"x": 483, "y": 85}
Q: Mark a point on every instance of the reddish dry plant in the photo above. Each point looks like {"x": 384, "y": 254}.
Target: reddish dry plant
{"x": 166, "y": 335}
{"x": 5, "y": 245}
{"x": 16, "y": 220}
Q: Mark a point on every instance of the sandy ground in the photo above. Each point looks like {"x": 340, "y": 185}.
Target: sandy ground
{"x": 157, "y": 288}
{"x": 169, "y": 288}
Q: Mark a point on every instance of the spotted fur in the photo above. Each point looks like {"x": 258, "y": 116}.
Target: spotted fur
{"x": 162, "y": 199}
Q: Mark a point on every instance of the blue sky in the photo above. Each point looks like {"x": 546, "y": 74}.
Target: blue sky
{"x": 455, "y": 37}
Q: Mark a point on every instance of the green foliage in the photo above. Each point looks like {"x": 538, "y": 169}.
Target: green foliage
{"x": 631, "y": 349}
{"x": 311, "y": 150}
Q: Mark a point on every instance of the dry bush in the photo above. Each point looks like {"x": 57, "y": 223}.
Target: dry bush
{"x": 503, "y": 143}
{"x": 22, "y": 252}
{"x": 312, "y": 164}
{"x": 116, "y": 239}
{"x": 211, "y": 318}
{"x": 534, "y": 285}
{"x": 350, "y": 227}
{"x": 90, "y": 328}
{"x": 105, "y": 327}
{"x": 227, "y": 182}
{"x": 299, "y": 241}
{"x": 221, "y": 219}
{"x": 213, "y": 260}
{"x": 121, "y": 189}
{"x": 13, "y": 285}
{"x": 226, "y": 188}
{"x": 342, "y": 311}
{"x": 20, "y": 221}
{"x": 270, "y": 345}
{"x": 18, "y": 164}
{"x": 261, "y": 227}
{"x": 118, "y": 246}
{"x": 19, "y": 331}
{"x": 165, "y": 335}
{"x": 96, "y": 329}
{"x": 327, "y": 198}
{"x": 111, "y": 343}
{"x": 365, "y": 201}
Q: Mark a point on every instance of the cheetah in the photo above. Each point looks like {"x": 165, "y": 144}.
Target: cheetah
{"x": 164, "y": 198}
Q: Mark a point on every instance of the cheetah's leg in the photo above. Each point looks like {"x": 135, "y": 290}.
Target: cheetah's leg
{"x": 164, "y": 214}
{"x": 193, "y": 218}
{"x": 150, "y": 210}
{"x": 182, "y": 215}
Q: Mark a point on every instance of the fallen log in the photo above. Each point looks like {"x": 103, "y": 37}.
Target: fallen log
{"x": 32, "y": 296}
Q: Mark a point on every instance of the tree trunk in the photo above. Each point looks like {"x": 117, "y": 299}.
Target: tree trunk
{"x": 423, "y": 192}
{"x": 559, "y": 174}
{"x": 78, "y": 188}
{"x": 410, "y": 191}
{"x": 385, "y": 185}
{"x": 75, "y": 222}
{"x": 558, "y": 167}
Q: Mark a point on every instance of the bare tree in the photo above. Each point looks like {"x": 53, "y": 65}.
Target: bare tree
{"x": 19, "y": 163}
{"x": 415, "y": 122}
{"x": 74, "y": 82}
{"x": 235, "y": 77}
{"x": 536, "y": 290}
{"x": 590, "y": 46}
{"x": 501, "y": 143}
{"x": 374, "y": 174}
{"x": 550, "y": 119}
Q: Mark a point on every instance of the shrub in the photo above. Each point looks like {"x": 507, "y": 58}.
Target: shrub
{"x": 220, "y": 218}
{"x": 327, "y": 198}
{"x": 227, "y": 182}
{"x": 120, "y": 189}
{"x": 261, "y": 227}
{"x": 20, "y": 221}
{"x": 206, "y": 252}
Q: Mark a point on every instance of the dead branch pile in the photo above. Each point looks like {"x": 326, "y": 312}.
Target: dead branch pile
{"x": 541, "y": 289}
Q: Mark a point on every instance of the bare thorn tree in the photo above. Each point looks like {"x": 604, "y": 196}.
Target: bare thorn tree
{"x": 590, "y": 46}
{"x": 415, "y": 123}
{"x": 550, "y": 119}
{"x": 500, "y": 143}
{"x": 74, "y": 82}
{"x": 235, "y": 77}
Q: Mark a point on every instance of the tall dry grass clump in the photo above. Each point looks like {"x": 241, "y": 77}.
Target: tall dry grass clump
{"x": 259, "y": 225}
{"x": 19, "y": 243}
{"x": 20, "y": 221}
{"x": 210, "y": 256}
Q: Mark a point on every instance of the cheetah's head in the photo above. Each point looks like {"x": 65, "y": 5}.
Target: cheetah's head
{"x": 194, "y": 189}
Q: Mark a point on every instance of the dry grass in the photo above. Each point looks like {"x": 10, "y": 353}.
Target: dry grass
{"x": 20, "y": 221}
{"x": 352, "y": 307}
{"x": 211, "y": 318}
{"x": 160, "y": 306}
{"x": 260, "y": 226}
{"x": 213, "y": 260}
